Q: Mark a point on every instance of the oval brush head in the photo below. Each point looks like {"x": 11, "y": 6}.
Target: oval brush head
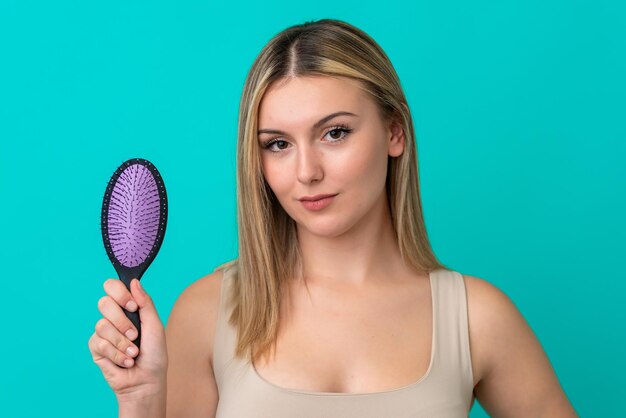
{"x": 134, "y": 217}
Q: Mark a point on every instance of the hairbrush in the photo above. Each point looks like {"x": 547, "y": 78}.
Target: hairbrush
{"x": 134, "y": 217}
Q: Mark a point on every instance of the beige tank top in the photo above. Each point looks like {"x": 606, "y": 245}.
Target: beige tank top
{"x": 445, "y": 391}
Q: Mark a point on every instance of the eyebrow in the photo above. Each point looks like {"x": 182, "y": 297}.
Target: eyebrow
{"x": 315, "y": 126}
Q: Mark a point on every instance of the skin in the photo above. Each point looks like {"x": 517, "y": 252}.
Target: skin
{"x": 351, "y": 264}
{"x": 351, "y": 242}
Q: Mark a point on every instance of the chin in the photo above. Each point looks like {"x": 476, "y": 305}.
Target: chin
{"x": 322, "y": 228}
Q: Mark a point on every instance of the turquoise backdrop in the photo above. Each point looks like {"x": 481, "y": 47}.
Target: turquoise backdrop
{"x": 519, "y": 110}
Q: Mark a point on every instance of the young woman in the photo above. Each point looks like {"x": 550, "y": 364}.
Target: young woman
{"x": 336, "y": 305}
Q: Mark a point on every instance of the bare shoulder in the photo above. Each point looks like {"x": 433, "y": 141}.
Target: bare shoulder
{"x": 513, "y": 374}
{"x": 490, "y": 312}
{"x": 195, "y": 311}
{"x": 190, "y": 331}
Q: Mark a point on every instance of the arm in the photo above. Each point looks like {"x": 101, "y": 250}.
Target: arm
{"x": 153, "y": 407}
{"x": 516, "y": 377}
{"x": 191, "y": 387}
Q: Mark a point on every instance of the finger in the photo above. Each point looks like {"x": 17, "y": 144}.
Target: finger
{"x": 105, "y": 329}
{"x": 118, "y": 291}
{"x": 147, "y": 310}
{"x": 109, "y": 369}
{"x": 114, "y": 313}
{"x": 102, "y": 348}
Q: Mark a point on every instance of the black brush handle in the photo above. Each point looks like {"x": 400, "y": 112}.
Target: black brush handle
{"x": 126, "y": 278}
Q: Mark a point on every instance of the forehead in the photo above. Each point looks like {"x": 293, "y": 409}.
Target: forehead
{"x": 303, "y": 100}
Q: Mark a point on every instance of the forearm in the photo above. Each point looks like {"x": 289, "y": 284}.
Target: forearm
{"x": 151, "y": 407}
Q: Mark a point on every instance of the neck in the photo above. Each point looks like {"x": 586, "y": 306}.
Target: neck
{"x": 367, "y": 252}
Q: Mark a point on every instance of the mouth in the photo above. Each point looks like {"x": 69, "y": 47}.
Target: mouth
{"x": 316, "y": 197}
{"x": 319, "y": 203}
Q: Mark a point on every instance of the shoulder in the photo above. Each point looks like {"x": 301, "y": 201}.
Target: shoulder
{"x": 486, "y": 302}
{"x": 491, "y": 315}
{"x": 193, "y": 318}
{"x": 488, "y": 306}
{"x": 201, "y": 296}
{"x": 205, "y": 289}
{"x": 507, "y": 356}
{"x": 190, "y": 331}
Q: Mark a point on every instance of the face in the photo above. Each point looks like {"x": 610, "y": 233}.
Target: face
{"x": 306, "y": 151}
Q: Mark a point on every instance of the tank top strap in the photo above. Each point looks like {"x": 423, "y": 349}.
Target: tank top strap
{"x": 225, "y": 337}
{"x": 452, "y": 352}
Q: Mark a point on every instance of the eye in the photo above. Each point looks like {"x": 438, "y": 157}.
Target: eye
{"x": 338, "y": 131}
{"x": 341, "y": 130}
{"x": 270, "y": 143}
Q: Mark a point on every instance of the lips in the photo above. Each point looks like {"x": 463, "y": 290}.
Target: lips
{"x": 319, "y": 204}
{"x": 316, "y": 197}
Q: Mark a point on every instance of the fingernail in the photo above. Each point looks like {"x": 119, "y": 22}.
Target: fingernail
{"x": 131, "y": 305}
{"x": 141, "y": 289}
{"x": 131, "y": 334}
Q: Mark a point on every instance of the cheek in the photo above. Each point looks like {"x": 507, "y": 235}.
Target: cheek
{"x": 364, "y": 167}
{"x": 275, "y": 177}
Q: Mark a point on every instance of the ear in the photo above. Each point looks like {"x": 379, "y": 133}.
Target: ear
{"x": 396, "y": 139}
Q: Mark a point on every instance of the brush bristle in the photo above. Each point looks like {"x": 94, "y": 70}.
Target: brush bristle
{"x": 133, "y": 215}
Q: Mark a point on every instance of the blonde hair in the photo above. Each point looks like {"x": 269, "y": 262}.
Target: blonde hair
{"x": 268, "y": 249}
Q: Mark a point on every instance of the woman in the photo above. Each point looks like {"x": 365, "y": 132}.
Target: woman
{"x": 336, "y": 304}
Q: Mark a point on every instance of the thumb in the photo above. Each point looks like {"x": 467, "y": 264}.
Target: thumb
{"x": 147, "y": 310}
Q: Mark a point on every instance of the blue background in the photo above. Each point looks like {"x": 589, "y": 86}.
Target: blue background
{"x": 519, "y": 113}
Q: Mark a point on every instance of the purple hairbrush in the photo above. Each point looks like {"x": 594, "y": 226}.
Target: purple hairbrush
{"x": 134, "y": 216}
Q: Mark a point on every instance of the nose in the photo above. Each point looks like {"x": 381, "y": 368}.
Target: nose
{"x": 309, "y": 165}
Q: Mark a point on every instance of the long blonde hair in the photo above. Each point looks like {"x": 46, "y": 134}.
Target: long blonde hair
{"x": 268, "y": 248}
